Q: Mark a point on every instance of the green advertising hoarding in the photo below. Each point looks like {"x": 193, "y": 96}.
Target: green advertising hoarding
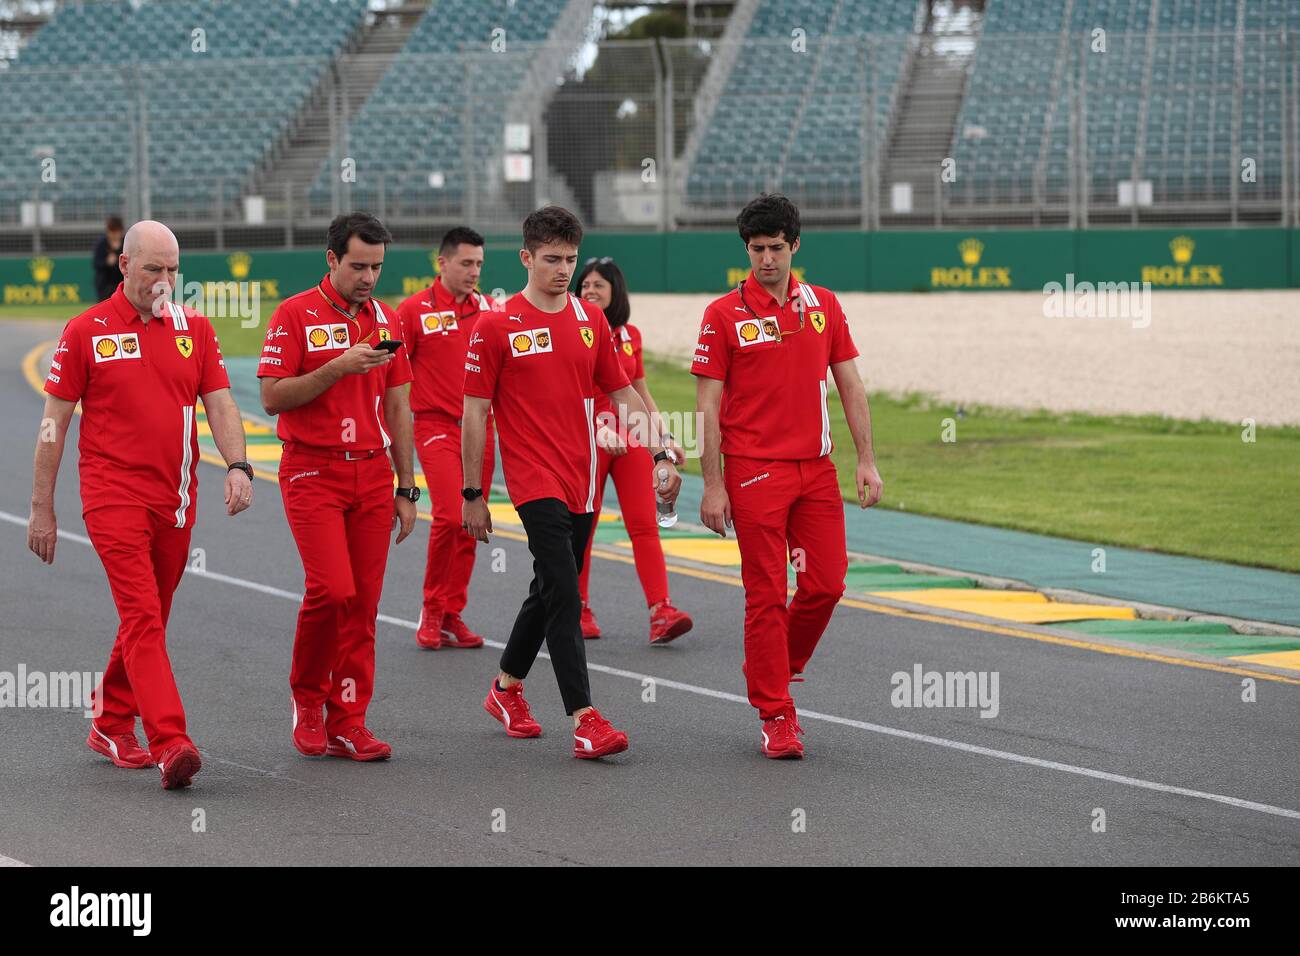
{"x": 712, "y": 262}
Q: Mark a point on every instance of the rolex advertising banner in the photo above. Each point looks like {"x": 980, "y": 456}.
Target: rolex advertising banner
{"x": 712, "y": 262}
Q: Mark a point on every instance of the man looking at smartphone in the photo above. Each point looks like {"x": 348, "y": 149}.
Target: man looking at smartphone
{"x": 334, "y": 371}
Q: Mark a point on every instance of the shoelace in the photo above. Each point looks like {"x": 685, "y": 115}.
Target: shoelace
{"x": 520, "y": 705}
{"x": 312, "y": 719}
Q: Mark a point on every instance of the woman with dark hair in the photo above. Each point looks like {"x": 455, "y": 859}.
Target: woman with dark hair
{"x": 601, "y": 282}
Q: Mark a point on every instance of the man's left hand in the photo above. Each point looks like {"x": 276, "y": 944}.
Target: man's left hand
{"x": 239, "y": 491}
{"x": 403, "y": 514}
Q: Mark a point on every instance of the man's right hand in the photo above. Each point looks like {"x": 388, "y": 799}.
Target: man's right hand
{"x": 361, "y": 359}
{"x": 715, "y": 509}
{"x": 42, "y": 532}
{"x": 476, "y": 519}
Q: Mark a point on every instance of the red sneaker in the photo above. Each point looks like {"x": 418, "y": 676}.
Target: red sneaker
{"x": 358, "y": 744}
{"x": 456, "y": 634}
{"x": 429, "y": 634}
{"x": 781, "y": 737}
{"x": 308, "y": 729}
{"x": 596, "y": 737}
{"x": 178, "y": 765}
{"x": 590, "y": 629}
{"x": 509, "y": 707}
{"x": 667, "y": 623}
{"x": 123, "y": 749}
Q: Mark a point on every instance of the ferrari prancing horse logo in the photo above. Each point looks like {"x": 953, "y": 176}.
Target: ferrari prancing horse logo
{"x": 818, "y": 320}
{"x": 588, "y": 336}
{"x": 185, "y": 345}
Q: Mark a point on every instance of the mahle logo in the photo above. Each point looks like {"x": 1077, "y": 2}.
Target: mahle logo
{"x": 970, "y": 274}
{"x": 41, "y": 291}
{"x": 1182, "y": 272}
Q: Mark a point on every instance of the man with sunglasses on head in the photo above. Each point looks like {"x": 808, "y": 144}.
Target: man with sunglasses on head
{"x": 760, "y": 365}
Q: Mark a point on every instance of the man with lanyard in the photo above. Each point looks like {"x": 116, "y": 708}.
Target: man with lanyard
{"x": 343, "y": 411}
{"x": 760, "y": 364}
{"x": 539, "y": 365}
{"x": 136, "y": 362}
{"x": 436, "y": 324}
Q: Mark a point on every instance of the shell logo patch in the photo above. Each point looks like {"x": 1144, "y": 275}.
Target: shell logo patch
{"x": 818, "y": 320}
{"x": 755, "y": 332}
{"x": 322, "y": 338}
{"x": 431, "y": 322}
{"x": 531, "y": 342}
{"x": 588, "y": 336}
{"x": 112, "y": 348}
{"x": 185, "y": 345}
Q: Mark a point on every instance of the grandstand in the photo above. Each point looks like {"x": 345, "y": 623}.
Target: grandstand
{"x": 252, "y": 123}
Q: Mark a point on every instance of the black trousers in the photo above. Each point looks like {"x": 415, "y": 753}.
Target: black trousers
{"x": 552, "y": 612}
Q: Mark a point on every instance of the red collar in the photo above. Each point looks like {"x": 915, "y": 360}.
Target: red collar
{"x": 758, "y": 297}
{"x": 120, "y": 304}
{"x": 331, "y": 294}
{"x": 442, "y": 299}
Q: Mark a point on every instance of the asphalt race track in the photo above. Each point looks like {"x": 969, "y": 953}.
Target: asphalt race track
{"x": 1184, "y": 770}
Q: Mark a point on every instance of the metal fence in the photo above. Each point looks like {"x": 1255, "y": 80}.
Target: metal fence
{"x": 661, "y": 135}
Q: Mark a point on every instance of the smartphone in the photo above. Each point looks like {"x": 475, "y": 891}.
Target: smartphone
{"x": 389, "y": 345}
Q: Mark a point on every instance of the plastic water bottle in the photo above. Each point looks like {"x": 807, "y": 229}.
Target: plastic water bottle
{"x": 667, "y": 516}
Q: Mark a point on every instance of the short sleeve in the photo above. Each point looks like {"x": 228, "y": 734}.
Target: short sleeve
{"x": 282, "y": 350}
{"x": 213, "y": 376}
{"x": 639, "y": 371}
{"x": 608, "y": 375}
{"x": 712, "y": 349}
{"x": 408, "y": 320}
{"x": 398, "y": 371}
{"x": 842, "y": 347}
{"x": 68, "y": 367}
{"x": 483, "y": 359}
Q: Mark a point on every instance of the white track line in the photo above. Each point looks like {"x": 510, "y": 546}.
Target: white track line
{"x": 1135, "y": 782}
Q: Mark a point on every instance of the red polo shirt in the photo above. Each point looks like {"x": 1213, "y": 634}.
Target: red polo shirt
{"x": 137, "y": 383}
{"x": 436, "y": 329}
{"x": 312, "y": 328}
{"x": 774, "y": 378}
{"x": 543, "y": 371}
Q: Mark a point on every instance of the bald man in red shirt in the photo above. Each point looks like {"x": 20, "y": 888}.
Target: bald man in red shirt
{"x": 341, "y": 397}
{"x": 436, "y": 325}
{"x": 760, "y": 365}
{"x": 137, "y": 362}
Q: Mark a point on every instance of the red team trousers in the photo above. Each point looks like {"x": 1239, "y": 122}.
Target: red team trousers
{"x": 341, "y": 515}
{"x": 450, "y": 560}
{"x": 636, "y": 502}
{"x": 144, "y": 556}
{"x": 780, "y": 508}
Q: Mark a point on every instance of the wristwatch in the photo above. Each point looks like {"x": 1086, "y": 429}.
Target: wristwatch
{"x": 412, "y": 494}
{"x": 243, "y": 466}
{"x": 470, "y": 494}
{"x": 662, "y": 456}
